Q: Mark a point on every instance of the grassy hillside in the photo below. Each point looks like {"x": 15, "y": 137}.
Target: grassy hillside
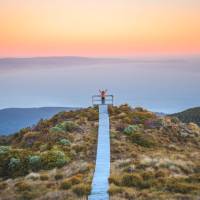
{"x": 151, "y": 157}
{"x": 13, "y": 119}
{"x": 53, "y": 160}
{"x": 190, "y": 115}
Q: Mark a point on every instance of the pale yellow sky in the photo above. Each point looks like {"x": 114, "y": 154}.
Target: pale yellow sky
{"x": 99, "y": 28}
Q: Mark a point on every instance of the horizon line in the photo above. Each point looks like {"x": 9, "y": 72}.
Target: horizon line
{"x": 102, "y": 57}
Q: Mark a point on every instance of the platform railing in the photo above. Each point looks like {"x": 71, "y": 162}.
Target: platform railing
{"x": 97, "y": 100}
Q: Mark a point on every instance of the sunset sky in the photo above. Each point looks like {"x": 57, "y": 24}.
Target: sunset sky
{"x": 99, "y": 27}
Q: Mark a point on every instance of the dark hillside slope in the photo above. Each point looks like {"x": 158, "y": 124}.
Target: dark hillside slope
{"x": 190, "y": 115}
{"x": 13, "y": 119}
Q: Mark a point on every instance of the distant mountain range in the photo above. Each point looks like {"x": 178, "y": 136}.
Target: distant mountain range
{"x": 13, "y": 119}
{"x": 189, "y": 115}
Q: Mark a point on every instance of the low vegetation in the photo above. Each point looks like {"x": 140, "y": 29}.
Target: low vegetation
{"x": 56, "y": 154}
{"x": 152, "y": 157}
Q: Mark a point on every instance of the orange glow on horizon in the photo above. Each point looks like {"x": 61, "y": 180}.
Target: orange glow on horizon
{"x": 117, "y": 27}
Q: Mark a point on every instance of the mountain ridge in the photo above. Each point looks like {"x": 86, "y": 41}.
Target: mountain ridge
{"x": 189, "y": 115}
{"x": 13, "y": 119}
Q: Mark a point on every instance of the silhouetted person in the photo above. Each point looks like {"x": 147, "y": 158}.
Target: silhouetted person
{"x": 103, "y": 95}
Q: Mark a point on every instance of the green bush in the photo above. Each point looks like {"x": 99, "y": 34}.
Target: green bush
{"x": 58, "y": 176}
{"x": 131, "y": 129}
{"x": 22, "y": 186}
{"x": 82, "y": 190}
{"x": 75, "y": 180}
{"x": 53, "y": 158}
{"x": 30, "y": 138}
{"x": 56, "y": 129}
{"x": 113, "y": 189}
{"x": 181, "y": 187}
{"x": 115, "y": 179}
{"x": 44, "y": 177}
{"x": 14, "y": 163}
{"x": 4, "y": 149}
{"x": 140, "y": 116}
{"x": 91, "y": 114}
{"x": 35, "y": 162}
{"x": 65, "y": 185}
{"x": 147, "y": 184}
{"x": 131, "y": 180}
{"x": 143, "y": 140}
{"x": 146, "y": 175}
{"x": 64, "y": 142}
{"x": 66, "y": 126}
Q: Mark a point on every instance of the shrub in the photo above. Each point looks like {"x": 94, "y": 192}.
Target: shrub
{"x": 28, "y": 195}
{"x": 153, "y": 123}
{"x": 82, "y": 189}
{"x": 22, "y": 186}
{"x": 195, "y": 178}
{"x": 66, "y": 126}
{"x": 64, "y": 142}
{"x": 35, "y": 162}
{"x": 92, "y": 115}
{"x": 127, "y": 120}
{"x": 56, "y": 129}
{"x": 131, "y": 129}
{"x": 120, "y": 126}
{"x": 143, "y": 140}
{"x": 43, "y": 147}
{"x": 14, "y": 163}
{"x": 113, "y": 189}
{"x": 146, "y": 184}
{"x": 140, "y": 116}
{"x": 75, "y": 180}
{"x": 30, "y": 138}
{"x": 3, "y": 186}
{"x": 44, "y": 177}
{"x": 130, "y": 180}
{"x": 66, "y": 184}
{"x": 70, "y": 126}
{"x": 147, "y": 175}
{"x": 115, "y": 179}
{"x": 181, "y": 187}
{"x": 175, "y": 120}
{"x": 4, "y": 149}
{"x": 125, "y": 108}
{"x": 58, "y": 176}
{"x": 161, "y": 173}
{"x": 53, "y": 158}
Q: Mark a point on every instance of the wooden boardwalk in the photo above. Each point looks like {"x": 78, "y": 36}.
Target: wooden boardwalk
{"x": 100, "y": 183}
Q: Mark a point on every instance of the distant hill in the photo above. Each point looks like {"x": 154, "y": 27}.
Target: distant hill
{"x": 13, "y": 119}
{"x": 189, "y": 115}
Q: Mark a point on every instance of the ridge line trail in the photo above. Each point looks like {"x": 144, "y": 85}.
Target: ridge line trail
{"x": 100, "y": 183}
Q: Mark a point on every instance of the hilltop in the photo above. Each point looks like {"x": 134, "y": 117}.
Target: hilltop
{"x": 189, "y": 115}
{"x": 152, "y": 157}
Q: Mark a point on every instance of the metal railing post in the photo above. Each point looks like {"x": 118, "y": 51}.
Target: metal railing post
{"x": 97, "y": 100}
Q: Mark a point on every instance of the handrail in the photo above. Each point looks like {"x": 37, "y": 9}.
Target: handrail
{"x": 96, "y": 99}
